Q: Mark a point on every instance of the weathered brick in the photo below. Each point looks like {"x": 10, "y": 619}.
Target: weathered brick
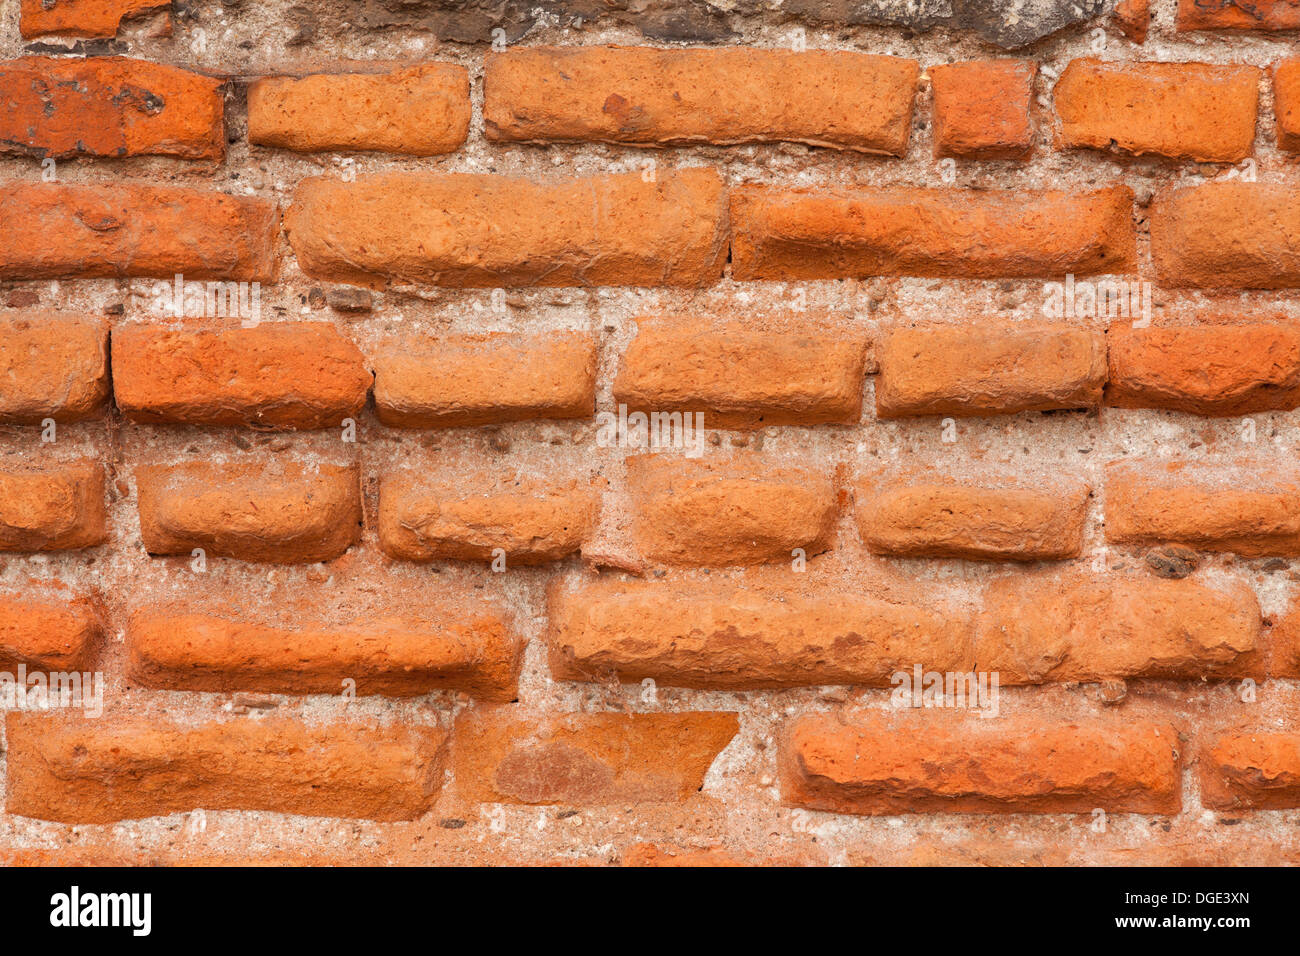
{"x": 80, "y": 771}
{"x": 945, "y": 762}
{"x": 1133, "y": 19}
{"x": 779, "y": 233}
{"x": 497, "y": 231}
{"x": 178, "y": 650}
{"x": 52, "y": 508}
{"x": 977, "y": 369}
{"x": 982, "y": 109}
{"x": 1205, "y": 370}
{"x": 1286, "y": 104}
{"x": 740, "y": 378}
{"x": 109, "y": 106}
{"x": 1235, "y": 15}
{"x": 499, "y": 756}
{"x": 1200, "y": 111}
{"x": 650, "y": 97}
{"x": 52, "y": 366}
{"x": 68, "y": 232}
{"x": 421, "y": 110}
{"x": 48, "y": 634}
{"x": 83, "y": 18}
{"x": 286, "y": 375}
{"x": 287, "y": 513}
{"x": 727, "y": 636}
{"x": 705, "y": 513}
{"x": 476, "y": 518}
{"x": 1251, "y": 771}
{"x": 1227, "y": 235}
{"x": 464, "y": 380}
{"x": 930, "y": 516}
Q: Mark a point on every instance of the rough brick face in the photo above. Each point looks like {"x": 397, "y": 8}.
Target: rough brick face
{"x": 1257, "y": 771}
{"x": 52, "y": 366}
{"x": 47, "y": 634}
{"x": 1232, "y": 15}
{"x": 1286, "y": 104}
{"x": 85, "y": 18}
{"x": 982, "y": 109}
{"x": 52, "y": 508}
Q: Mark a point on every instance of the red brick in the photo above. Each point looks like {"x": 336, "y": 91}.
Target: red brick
{"x": 470, "y": 231}
{"x": 52, "y": 366}
{"x": 944, "y": 762}
{"x": 83, "y": 18}
{"x": 1251, "y": 771}
{"x": 1205, "y": 370}
{"x": 989, "y": 369}
{"x": 52, "y": 508}
{"x": 177, "y": 650}
{"x": 287, "y": 375}
{"x": 499, "y": 756}
{"x": 288, "y": 513}
{"x": 982, "y": 109}
{"x": 80, "y": 771}
{"x": 463, "y": 380}
{"x": 47, "y": 634}
{"x": 1133, "y": 18}
{"x": 1235, "y": 15}
{"x": 651, "y": 97}
{"x": 69, "y": 232}
{"x": 109, "y": 106}
{"x": 421, "y": 110}
{"x": 780, "y": 233}
{"x": 1227, "y": 235}
{"x": 1286, "y": 104}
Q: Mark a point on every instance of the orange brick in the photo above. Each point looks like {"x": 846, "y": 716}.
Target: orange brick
{"x": 421, "y": 110}
{"x": 463, "y": 380}
{"x": 476, "y": 653}
{"x": 83, "y": 18}
{"x": 287, "y": 375}
{"x": 779, "y": 233}
{"x": 1234, "y": 15}
{"x": 930, "y": 516}
{"x": 1133, "y": 18}
{"x": 89, "y": 771}
{"x": 978, "y": 369}
{"x": 982, "y": 109}
{"x": 946, "y": 762}
{"x": 1286, "y": 104}
{"x": 1199, "y": 111}
{"x": 1248, "y": 509}
{"x": 109, "y": 106}
{"x": 585, "y": 759}
{"x": 651, "y": 97}
{"x": 1227, "y": 235}
{"x": 739, "y": 378}
{"x": 1205, "y": 370}
{"x": 287, "y": 513}
{"x": 475, "y": 519}
{"x": 496, "y": 231}
{"x": 69, "y": 232}
{"x": 728, "y": 636}
{"x": 55, "y": 508}
{"x": 1251, "y": 771}
{"x": 52, "y": 366}
{"x": 704, "y": 513}
{"x": 48, "y": 635}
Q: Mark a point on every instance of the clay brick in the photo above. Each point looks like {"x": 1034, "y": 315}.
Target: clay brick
{"x": 532, "y": 521}
{"x": 982, "y": 109}
{"x": 441, "y": 650}
{"x": 101, "y": 771}
{"x": 70, "y": 232}
{"x": 286, "y": 375}
{"x": 1227, "y": 235}
{"x": 586, "y": 759}
{"x": 1247, "y": 509}
{"x": 465, "y": 380}
{"x": 649, "y": 97}
{"x": 780, "y": 233}
{"x": 52, "y": 508}
{"x": 726, "y": 636}
{"x": 1205, "y": 370}
{"x": 702, "y": 513}
{"x": 1199, "y": 111}
{"x": 1234, "y": 15}
{"x": 1254, "y": 771}
{"x": 739, "y": 378}
{"x": 1133, "y": 18}
{"x": 944, "y": 762}
{"x": 422, "y": 110}
{"x": 483, "y": 231}
{"x": 52, "y": 366}
{"x": 109, "y": 106}
{"x": 1286, "y": 104}
{"x": 282, "y": 514}
{"x": 929, "y": 516}
{"x": 989, "y": 369}
{"x": 1284, "y": 644}
{"x": 83, "y": 18}
{"x": 47, "y": 634}
{"x": 1072, "y": 626}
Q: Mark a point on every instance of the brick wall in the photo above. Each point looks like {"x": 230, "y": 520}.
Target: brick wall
{"x": 320, "y": 324}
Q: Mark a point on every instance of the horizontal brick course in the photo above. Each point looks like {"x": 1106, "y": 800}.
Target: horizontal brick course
{"x": 52, "y": 508}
